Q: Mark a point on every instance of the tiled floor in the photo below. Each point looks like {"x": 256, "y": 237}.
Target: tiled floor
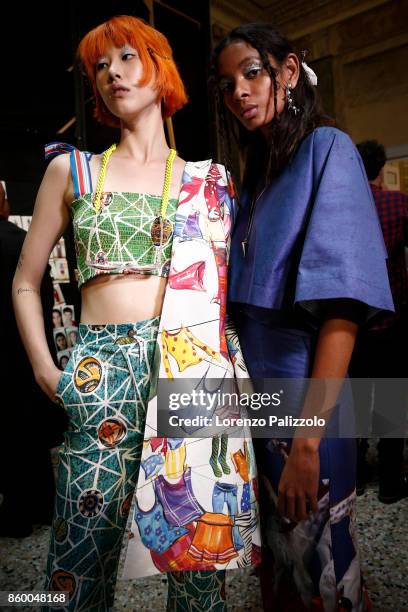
{"x": 383, "y": 534}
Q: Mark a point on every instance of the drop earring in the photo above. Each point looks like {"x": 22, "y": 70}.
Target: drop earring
{"x": 291, "y": 104}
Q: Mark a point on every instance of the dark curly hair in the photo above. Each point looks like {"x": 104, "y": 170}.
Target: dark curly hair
{"x": 287, "y": 129}
{"x": 373, "y": 156}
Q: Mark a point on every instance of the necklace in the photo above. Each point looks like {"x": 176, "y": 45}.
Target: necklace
{"x": 245, "y": 242}
{"x": 166, "y": 185}
{"x": 161, "y": 228}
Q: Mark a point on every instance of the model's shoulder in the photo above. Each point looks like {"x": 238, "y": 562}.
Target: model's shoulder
{"x": 327, "y": 134}
{"x": 58, "y": 165}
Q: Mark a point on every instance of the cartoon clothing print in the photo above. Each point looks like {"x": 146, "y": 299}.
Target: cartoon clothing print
{"x": 225, "y": 495}
{"x": 212, "y": 541}
{"x": 156, "y": 443}
{"x": 221, "y": 297}
{"x": 178, "y": 500}
{"x": 246, "y": 523}
{"x": 152, "y": 465}
{"x": 191, "y": 339}
{"x": 239, "y": 460}
{"x": 211, "y": 195}
{"x": 191, "y": 187}
{"x": 220, "y": 458}
{"x": 176, "y": 559}
{"x": 191, "y": 228}
{"x": 155, "y": 532}
{"x": 190, "y": 278}
{"x": 182, "y": 345}
{"x": 175, "y": 457}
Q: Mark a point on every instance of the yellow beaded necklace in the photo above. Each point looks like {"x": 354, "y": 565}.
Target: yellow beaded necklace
{"x": 166, "y": 186}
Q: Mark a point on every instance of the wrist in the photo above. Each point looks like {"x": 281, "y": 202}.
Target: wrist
{"x": 306, "y": 445}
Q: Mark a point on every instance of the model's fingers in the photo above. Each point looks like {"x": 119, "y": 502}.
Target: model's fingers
{"x": 281, "y": 502}
{"x": 301, "y": 511}
{"x": 314, "y": 506}
{"x": 290, "y": 505}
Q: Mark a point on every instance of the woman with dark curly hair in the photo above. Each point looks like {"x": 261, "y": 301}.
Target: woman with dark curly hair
{"x": 307, "y": 268}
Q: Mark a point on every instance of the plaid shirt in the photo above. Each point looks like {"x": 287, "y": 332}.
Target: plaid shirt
{"x": 392, "y": 209}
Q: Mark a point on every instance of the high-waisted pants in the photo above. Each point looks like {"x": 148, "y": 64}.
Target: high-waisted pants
{"x": 105, "y": 390}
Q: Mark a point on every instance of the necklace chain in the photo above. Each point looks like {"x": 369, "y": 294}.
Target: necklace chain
{"x": 167, "y": 182}
{"x": 166, "y": 185}
{"x": 245, "y": 242}
{"x": 101, "y": 177}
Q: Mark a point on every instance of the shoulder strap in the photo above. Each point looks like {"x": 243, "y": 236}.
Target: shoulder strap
{"x": 79, "y": 162}
{"x": 81, "y": 172}
{"x": 52, "y": 149}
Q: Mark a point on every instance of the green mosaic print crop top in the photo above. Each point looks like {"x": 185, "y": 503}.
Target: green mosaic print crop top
{"x": 117, "y": 232}
{"x": 118, "y": 238}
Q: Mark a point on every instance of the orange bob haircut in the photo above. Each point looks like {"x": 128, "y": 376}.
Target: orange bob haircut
{"x": 154, "y": 52}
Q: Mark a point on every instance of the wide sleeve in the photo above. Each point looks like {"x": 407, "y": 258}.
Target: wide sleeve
{"x": 343, "y": 253}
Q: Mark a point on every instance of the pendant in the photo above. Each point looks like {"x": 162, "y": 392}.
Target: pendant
{"x": 106, "y": 198}
{"x": 161, "y": 231}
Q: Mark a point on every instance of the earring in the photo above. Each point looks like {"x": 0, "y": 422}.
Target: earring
{"x": 291, "y": 105}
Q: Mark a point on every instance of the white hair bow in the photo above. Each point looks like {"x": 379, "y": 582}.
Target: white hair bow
{"x": 311, "y": 75}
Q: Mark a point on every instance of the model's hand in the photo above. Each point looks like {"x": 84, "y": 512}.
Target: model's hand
{"x": 299, "y": 483}
{"x": 48, "y": 381}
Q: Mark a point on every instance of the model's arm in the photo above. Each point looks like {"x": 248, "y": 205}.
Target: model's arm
{"x": 50, "y": 218}
{"x": 299, "y": 483}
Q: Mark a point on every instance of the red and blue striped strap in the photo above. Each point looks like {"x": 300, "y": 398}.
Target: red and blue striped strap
{"x": 79, "y": 162}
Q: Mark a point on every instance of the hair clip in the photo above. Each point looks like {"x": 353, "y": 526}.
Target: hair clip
{"x": 311, "y": 75}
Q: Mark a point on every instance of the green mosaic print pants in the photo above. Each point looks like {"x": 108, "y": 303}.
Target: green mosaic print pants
{"x": 194, "y": 591}
{"x": 105, "y": 389}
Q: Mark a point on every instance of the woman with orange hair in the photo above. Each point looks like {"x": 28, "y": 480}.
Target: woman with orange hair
{"x": 151, "y": 234}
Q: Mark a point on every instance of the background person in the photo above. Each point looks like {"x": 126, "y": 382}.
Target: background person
{"x": 31, "y": 423}
{"x": 60, "y": 341}
{"x": 56, "y": 317}
{"x": 68, "y": 316}
{"x": 380, "y": 352}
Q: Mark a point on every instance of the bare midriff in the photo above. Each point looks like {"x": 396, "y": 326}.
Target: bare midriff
{"x": 122, "y": 298}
